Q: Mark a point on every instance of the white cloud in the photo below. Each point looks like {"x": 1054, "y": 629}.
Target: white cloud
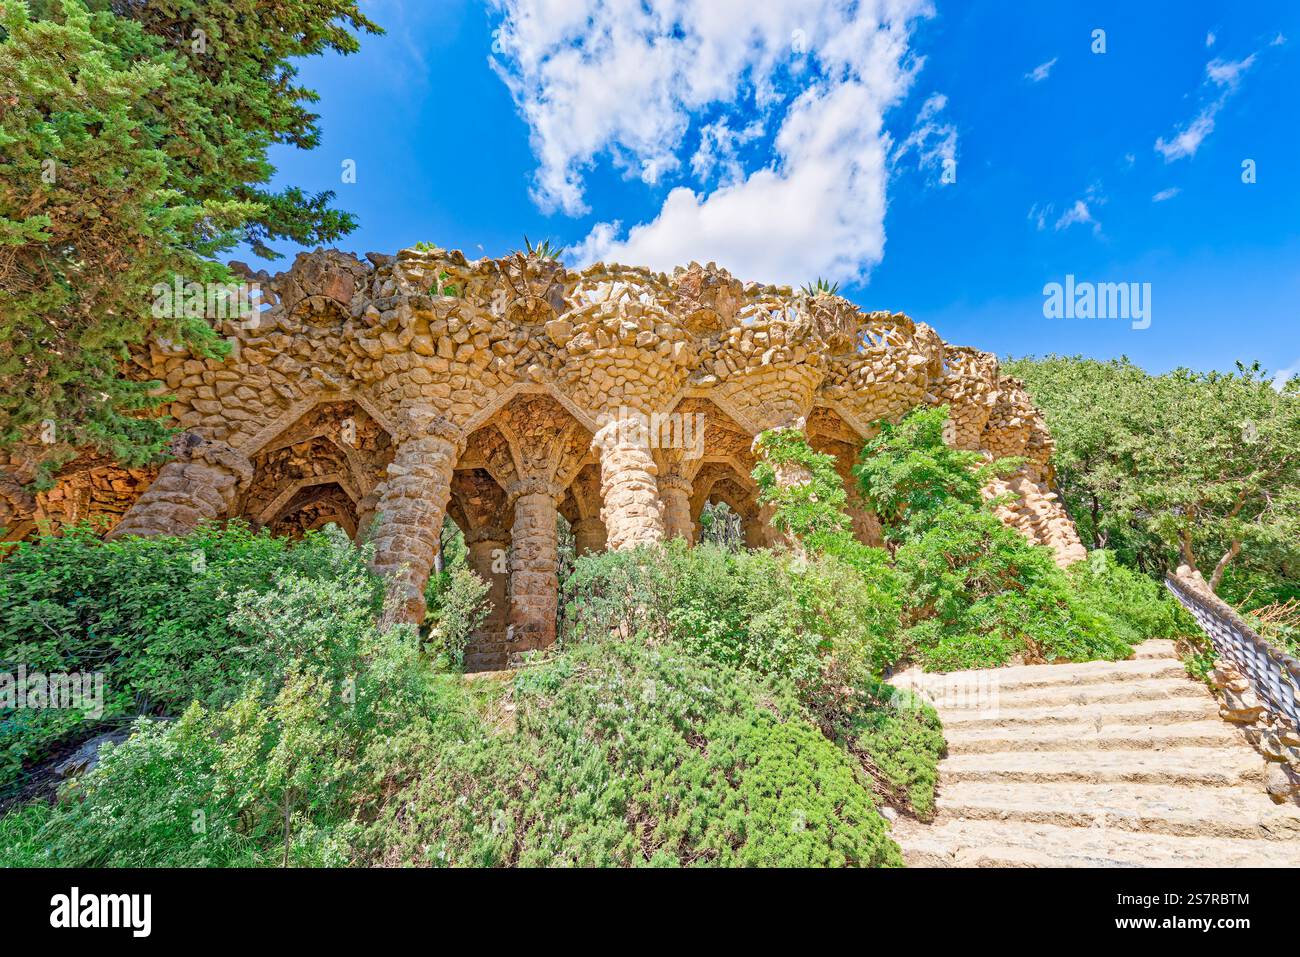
{"x": 1039, "y": 73}
{"x": 1165, "y": 194}
{"x": 1228, "y": 72}
{"x": 1078, "y": 214}
{"x": 1226, "y": 76}
{"x": 1277, "y": 41}
{"x": 1188, "y": 140}
{"x": 933, "y": 140}
{"x": 629, "y": 81}
{"x": 718, "y": 149}
{"x": 1209, "y": 39}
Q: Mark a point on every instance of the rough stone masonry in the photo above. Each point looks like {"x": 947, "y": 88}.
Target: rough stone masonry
{"x": 383, "y": 395}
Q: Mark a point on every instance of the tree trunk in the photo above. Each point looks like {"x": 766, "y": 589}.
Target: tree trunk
{"x": 1220, "y": 568}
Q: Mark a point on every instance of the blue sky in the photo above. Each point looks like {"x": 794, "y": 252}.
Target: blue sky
{"x": 791, "y": 140}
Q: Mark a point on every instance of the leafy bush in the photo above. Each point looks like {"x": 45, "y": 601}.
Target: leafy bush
{"x": 899, "y": 737}
{"x": 1138, "y": 606}
{"x": 812, "y": 506}
{"x": 457, "y": 606}
{"x": 908, "y": 474}
{"x": 631, "y": 752}
{"x": 817, "y": 622}
{"x": 267, "y": 777}
{"x": 151, "y": 614}
{"x": 980, "y": 594}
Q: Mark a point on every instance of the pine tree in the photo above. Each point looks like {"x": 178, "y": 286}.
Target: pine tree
{"x": 133, "y": 144}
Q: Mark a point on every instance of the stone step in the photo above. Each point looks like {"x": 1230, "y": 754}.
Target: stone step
{"x": 1146, "y": 712}
{"x": 1069, "y": 695}
{"x": 1208, "y": 733}
{"x": 1156, "y": 648}
{"x": 1019, "y": 677}
{"x": 1205, "y": 767}
{"x": 1227, "y": 812}
{"x": 962, "y": 843}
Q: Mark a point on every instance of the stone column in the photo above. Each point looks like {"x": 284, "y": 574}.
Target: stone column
{"x": 866, "y": 524}
{"x": 758, "y": 529}
{"x": 588, "y": 536}
{"x": 200, "y": 484}
{"x": 411, "y": 506}
{"x": 534, "y": 559}
{"x": 632, "y": 512}
{"x": 675, "y": 491}
{"x": 488, "y": 548}
{"x": 366, "y": 511}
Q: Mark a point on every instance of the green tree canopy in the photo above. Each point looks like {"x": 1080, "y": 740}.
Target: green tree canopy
{"x": 1201, "y": 468}
{"x": 133, "y": 139}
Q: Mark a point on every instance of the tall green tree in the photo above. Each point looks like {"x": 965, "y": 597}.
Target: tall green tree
{"x": 1192, "y": 467}
{"x": 133, "y": 144}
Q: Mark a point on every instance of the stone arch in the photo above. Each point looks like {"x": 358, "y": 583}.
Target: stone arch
{"x": 256, "y": 438}
{"x": 312, "y": 506}
{"x": 722, "y": 481}
{"x": 334, "y": 446}
{"x": 533, "y": 448}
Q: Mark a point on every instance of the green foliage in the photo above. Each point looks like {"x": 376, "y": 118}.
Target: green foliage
{"x": 543, "y": 250}
{"x": 134, "y": 141}
{"x": 265, "y": 778}
{"x": 806, "y": 492}
{"x": 821, "y": 287}
{"x": 981, "y": 594}
{"x": 151, "y": 801}
{"x": 827, "y": 625}
{"x": 900, "y": 737}
{"x": 1138, "y": 606}
{"x": 907, "y": 474}
{"x": 1202, "y": 468}
{"x": 151, "y": 614}
{"x": 721, "y": 525}
{"x": 457, "y": 606}
{"x": 630, "y": 752}
{"x": 978, "y": 594}
{"x": 815, "y": 622}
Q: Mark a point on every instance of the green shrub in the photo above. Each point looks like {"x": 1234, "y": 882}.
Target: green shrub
{"x": 816, "y": 621}
{"x": 981, "y": 594}
{"x": 901, "y": 739}
{"x": 811, "y": 507}
{"x": 457, "y": 606}
{"x": 151, "y": 614}
{"x": 632, "y": 752}
{"x": 267, "y": 777}
{"x": 908, "y": 474}
{"x": 1138, "y": 606}
{"x": 151, "y": 801}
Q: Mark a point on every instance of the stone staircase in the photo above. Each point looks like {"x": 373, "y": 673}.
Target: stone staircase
{"x": 1103, "y": 764}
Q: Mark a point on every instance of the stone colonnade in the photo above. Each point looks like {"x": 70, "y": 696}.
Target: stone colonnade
{"x": 388, "y": 393}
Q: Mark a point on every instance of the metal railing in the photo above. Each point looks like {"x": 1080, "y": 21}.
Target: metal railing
{"x": 1274, "y": 675}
